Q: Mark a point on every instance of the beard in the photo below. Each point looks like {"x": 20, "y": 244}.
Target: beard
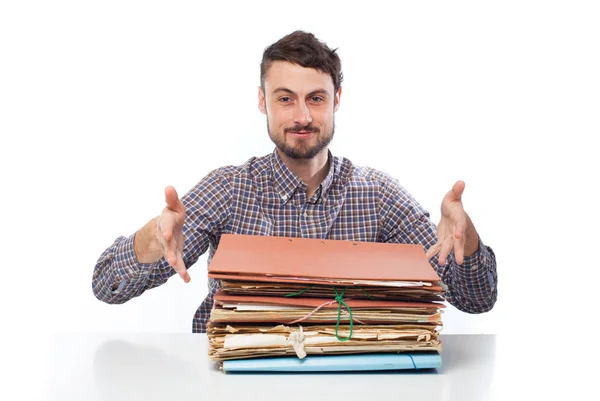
{"x": 301, "y": 150}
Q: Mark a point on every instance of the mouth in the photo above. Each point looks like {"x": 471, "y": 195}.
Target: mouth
{"x": 301, "y": 133}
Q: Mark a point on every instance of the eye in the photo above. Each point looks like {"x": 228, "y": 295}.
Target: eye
{"x": 285, "y": 99}
{"x": 316, "y": 99}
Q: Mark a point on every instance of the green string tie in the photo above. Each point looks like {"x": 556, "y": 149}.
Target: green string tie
{"x": 368, "y": 296}
{"x": 339, "y": 297}
{"x": 299, "y": 292}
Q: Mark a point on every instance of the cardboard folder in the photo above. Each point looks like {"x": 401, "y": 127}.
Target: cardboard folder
{"x": 243, "y": 308}
{"x": 244, "y": 340}
{"x": 224, "y": 298}
{"x": 308, "y": 260}
{"x": 373, "y": 292}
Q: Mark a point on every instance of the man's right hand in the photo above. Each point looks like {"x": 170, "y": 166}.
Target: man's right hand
{"x": 163, "y": 236}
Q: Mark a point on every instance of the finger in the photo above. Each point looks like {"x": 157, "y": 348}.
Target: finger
{"x": 180, "y": 244}
{"x": 180, "y": 268}
{"x": 459, "y": 250}
{"x": 167, "y": 225}
{"x": 160, "y": 236}
{"x": 446, "y": 248}
{"x": 165, "y": 237}
{"x": 178, "y": 248}
{"x": 172, "y": 200}
{"x": 459, "y": 218}
{"x": 431, "y": 252}
{"x": 171, "y": 254}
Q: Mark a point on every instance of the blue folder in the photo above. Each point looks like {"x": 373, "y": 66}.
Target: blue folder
{"x": 337, "y": 363}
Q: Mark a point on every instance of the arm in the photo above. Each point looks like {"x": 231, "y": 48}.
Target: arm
{"x": 472, "y": 285}
{"x": 134, "y": 264}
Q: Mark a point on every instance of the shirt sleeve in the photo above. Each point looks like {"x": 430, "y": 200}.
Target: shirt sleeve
{"x": 119, "y": 277}
{"x": 471, "y": 286}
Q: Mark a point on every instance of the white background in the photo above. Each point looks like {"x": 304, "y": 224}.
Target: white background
{"x": 103, "y": 104}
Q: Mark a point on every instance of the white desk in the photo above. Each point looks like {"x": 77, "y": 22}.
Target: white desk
{"x": 176, "y": 367}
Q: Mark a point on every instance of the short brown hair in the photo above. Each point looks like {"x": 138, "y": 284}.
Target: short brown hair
{"x": 305, "y": 50}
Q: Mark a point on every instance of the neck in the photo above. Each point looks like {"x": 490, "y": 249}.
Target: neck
{"x": 311, "y": 171}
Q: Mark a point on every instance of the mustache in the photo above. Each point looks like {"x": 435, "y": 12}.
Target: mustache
{"x": 306, "y": 128}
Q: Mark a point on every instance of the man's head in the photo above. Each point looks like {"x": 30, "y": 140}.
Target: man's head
{"x": 300, "y": 91}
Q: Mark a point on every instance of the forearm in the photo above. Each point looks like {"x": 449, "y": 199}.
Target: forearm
{"x": 118, "y": 275}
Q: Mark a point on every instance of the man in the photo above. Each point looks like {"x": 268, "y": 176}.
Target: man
{"x": 300, "y": 190}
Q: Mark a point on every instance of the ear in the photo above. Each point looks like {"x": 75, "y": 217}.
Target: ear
{"x": 261, "y": 100}
{"x": 336, "y": 104}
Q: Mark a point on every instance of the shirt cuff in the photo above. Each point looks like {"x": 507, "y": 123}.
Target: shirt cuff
{"x": 477, "y": 259}
{"x": 478, "y": 264}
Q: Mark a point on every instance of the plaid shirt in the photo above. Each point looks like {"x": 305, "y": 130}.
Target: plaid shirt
{"x": 263, "y": 197}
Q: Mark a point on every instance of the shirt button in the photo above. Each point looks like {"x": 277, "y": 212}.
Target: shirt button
{"x": 284, "y": 197}
{"x": 305, "y": 214}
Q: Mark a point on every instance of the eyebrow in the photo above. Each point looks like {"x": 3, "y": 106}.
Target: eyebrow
{"x": 291, "y": 92}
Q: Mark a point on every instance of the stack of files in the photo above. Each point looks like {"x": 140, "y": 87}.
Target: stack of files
{"x": 300, "y": 304}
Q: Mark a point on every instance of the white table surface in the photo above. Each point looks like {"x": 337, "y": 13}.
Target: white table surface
{"x": 176, "y": 367}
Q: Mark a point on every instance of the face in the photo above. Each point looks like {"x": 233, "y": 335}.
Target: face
{"x": 299, "y": 104}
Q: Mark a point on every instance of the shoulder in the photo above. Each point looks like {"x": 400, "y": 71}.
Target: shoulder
{"x": 355, "y": 176}
{"x": 385, "y": 188}
{"x": 252, "y": 168}
{"x": 222, "y": 181}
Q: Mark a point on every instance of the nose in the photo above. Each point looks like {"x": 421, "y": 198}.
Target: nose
{"x": 302, "y": 115}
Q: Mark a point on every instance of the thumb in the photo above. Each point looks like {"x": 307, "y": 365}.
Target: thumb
{"x": 172, "y": 200}
{"x": 457, "y": 190}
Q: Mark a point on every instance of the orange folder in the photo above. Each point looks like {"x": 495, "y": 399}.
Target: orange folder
{"x": 267, "y": 258}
